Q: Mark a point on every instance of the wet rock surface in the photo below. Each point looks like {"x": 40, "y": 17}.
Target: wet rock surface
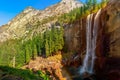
{"x": 107, "y": 65}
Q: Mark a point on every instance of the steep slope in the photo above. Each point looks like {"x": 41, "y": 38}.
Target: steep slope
{"x": 113, "y": 27}
{"x": 107, "y": 63}
{"x": 28, "y": 19}
{"x": 108, "y": 40}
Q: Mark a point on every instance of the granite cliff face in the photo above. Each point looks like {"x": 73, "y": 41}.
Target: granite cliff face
{"x": 113, "y": 27}
{"x": 26, "y": 21}
{"x": 108, "y": 41}
{"x": 75, "y": 36}
{"x": 108, "y": 32}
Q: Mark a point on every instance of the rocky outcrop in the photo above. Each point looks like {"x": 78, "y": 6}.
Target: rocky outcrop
{"x": 113, "y": 27}
{"x": 28, "y": 19}
{"x": 17, "y": 27}
{"x": 52, "y": 66}
{"x": 75, "y": 36}
{"x": 108, "y": 41}
{"x": 108, "y": 50}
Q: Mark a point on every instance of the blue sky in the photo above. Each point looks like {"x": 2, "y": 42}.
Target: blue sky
{"x": 10, "y": 8}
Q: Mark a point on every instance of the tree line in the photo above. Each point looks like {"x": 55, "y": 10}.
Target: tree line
{"x": 16, "y": 52}
{"x": 90, "y": 6}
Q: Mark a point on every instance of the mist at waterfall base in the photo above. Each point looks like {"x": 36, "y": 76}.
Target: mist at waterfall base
{"x": 91, "y": 38}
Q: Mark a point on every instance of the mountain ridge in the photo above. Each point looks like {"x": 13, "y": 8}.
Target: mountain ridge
{"x": 17, "y": 27}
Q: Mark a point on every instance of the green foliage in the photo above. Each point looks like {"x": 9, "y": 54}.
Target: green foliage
{"x": 91, "y": 6}
{"x": 27, "y": 54}
{"x": 71, "y": 16}
{"x": 46, "y": 47}
{"x": 44, "y": 76}
{"x": 11, "y": 53}
{"x": 23, "y": 74}
{"x": 16, "y": 53}
{"x": 53, "y": 40}
{"x": 35, "y": 51}
{"x": 104, "y": 3}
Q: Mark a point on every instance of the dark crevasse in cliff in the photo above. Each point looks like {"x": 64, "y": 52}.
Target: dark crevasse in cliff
{"x": 107, "y": 66}
{"x": 108, "y": 50}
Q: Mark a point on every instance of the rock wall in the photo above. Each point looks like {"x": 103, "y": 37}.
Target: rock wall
{"x": 75, "y": 36}
{"x": 113, "y": 27}
{"x": 108, "y": 50}
{"x": 108, "y": 41}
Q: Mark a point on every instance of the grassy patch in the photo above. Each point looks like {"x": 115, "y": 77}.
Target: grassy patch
{"x": 8, "y": 73}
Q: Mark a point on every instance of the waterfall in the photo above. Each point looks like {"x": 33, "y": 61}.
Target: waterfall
{"x": 91, "y": 38}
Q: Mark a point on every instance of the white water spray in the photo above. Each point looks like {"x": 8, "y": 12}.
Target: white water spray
{"x": 91, "y": 38}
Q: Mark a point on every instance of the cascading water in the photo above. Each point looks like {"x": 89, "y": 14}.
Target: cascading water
{"x": 91, "y": 37}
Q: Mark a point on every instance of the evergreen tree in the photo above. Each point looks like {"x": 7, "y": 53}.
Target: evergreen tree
{"x": 47, "y": 48}
{"x": 52, "y": 41}
{"x": 61, "y": 36}
{"x": 41, "y": 45}
{"x": 35, "y": 52}
{"x": 81, "y": 10}
{"x": 89, "y": 3}
{"x": 27, "y": 55}
{"x": 94, "y": 4}
{"x": 46, "y": 37}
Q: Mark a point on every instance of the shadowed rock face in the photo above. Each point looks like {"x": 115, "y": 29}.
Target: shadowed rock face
{"x": 108, "y": 41}
{"x": 75, "y": 36}
{"x": 113, "y": 27}
{"x": 108, "y": 44}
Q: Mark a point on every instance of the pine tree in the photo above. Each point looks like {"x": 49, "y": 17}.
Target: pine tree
{"x": 41, "y": 50}
{"x": 89, "y": 3}
{"x": 55, "y": 39}
{"x": 94, "y": 4}
{"x": 81, "y": 10}
{"x": 61, "y": 36}
{"x": 27, "y": 54}
{"x": 35, "y": 52}
{"x": 52, "y": 40}
{"x": 39, "y": 47}
{"x": 46, "y": 48}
